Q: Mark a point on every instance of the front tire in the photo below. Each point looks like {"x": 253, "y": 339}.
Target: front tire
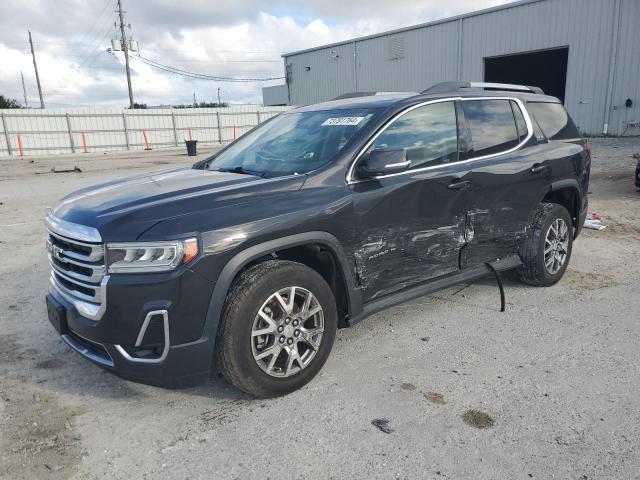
{"x": 547, "y": 250}
{"x": 278, "y": 327}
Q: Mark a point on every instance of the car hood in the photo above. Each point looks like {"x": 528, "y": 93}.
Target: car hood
{"x": 124, "y": 208}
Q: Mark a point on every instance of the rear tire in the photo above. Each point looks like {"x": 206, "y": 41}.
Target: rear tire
{"x": 298, "y": 334}
{"x": 547, "y": 250}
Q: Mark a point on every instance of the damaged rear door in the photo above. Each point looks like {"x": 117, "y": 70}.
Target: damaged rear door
{"x": 509, "y": 177}
{"x": 412, "y": 224}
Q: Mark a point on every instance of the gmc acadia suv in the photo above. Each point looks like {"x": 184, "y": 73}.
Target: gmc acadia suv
{"x": 248, "y": 261}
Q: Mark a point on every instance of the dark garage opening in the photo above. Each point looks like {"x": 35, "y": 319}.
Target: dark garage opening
{"x": 546, "y": 69}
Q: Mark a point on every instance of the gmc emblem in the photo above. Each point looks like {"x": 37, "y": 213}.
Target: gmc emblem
{"x": 55, "y": 251}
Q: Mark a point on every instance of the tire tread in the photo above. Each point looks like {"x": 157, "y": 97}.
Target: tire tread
{"x": 240, "y": 292}
{"x": 531, "y": 271}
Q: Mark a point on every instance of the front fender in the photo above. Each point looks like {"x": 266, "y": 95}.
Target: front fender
{"x": 244, "y": 257}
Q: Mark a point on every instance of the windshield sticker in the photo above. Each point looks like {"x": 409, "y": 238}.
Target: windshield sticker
{"x": 342, "y": 121}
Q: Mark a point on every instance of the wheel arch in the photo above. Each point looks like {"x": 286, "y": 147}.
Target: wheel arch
{"x": 255, "y": 253}
{"x": 566, "y": 193}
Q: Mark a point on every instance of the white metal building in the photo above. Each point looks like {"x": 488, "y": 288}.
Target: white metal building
{"x": 586, "y": 52}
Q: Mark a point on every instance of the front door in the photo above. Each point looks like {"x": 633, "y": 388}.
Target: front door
{"x": 412, "y": 224}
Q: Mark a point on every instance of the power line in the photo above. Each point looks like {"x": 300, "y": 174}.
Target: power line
{"x": 201, "y": 76}
{"x": 272, "y": 52}
{"x": 193, "y": 61}
{"x": 97, "y": 26}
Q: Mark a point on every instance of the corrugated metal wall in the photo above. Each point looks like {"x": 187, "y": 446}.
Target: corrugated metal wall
{"x": 50, "y": 131}
{"x": 330, "y": 73}
{"x": 626, "y": 83}
{"x": 429, "y": 54}
{"x": 456, "y": 49}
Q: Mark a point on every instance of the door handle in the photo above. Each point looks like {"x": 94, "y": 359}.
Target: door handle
{"x": 459, "y": 185}
{"x": 538, "y": 168}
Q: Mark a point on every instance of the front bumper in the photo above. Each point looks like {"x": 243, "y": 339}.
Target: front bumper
{"x": 152, "y": 330}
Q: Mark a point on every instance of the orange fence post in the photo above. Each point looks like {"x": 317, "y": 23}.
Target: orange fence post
{"x": 20, "y": 145}
{"x": 146, "y": 141}
{"x": 190, "y": 137}
{"x": 84, "y": 142}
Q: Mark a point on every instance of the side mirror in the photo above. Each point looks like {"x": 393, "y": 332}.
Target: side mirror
{"x": 384, "y": 162}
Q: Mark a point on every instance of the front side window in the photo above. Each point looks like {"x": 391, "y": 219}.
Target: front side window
{"x": 492, "y": 126}
{"x": 427, "y": 134}
{"x": 295, "y": 142}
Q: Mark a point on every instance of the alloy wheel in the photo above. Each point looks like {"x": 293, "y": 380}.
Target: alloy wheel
{"x": 287, "y": 331}
{"x": 556, "y": 244}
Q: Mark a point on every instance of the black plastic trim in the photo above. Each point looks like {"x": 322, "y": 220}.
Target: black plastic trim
{"x": 240, "y": 260}
{"x": 469, "y": 274}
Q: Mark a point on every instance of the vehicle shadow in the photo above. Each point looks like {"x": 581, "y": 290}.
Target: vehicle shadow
{"x": 62, "y": 370}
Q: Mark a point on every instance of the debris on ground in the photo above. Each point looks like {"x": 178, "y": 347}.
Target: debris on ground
{"x": 436, "y": 398}
{"x": 477, "y": 419}
{"x": 407, "y": 386}
{"x": 382, "y": 424}
{"x": 595, "y": 221}
{"x": 66, "y": 170}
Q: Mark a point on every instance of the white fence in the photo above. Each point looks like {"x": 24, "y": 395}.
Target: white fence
{"x": 51, "y": 131}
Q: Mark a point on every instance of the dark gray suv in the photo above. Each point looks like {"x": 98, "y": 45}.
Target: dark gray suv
{"x": 247, "y": 262}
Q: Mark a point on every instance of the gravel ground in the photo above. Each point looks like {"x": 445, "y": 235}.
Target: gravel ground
{"x": 548, "y": 389}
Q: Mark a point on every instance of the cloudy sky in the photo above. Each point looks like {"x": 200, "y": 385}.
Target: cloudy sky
{"x": 226, "y": 38}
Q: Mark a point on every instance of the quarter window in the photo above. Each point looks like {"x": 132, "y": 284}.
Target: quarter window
{"x": 492, "y": 126}
{"x": 427, "y": 134}
{"x": 554, "y": 120}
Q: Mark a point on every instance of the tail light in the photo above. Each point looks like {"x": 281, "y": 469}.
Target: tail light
{"x": 587, "y": 148}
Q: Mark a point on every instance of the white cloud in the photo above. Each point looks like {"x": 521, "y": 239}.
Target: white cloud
{"x": 223, "y": 38}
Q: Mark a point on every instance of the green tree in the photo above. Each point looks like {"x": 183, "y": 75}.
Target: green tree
{"x": 8, "y": 102}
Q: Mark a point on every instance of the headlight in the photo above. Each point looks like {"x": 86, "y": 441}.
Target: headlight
{"x": 142, "y": 257}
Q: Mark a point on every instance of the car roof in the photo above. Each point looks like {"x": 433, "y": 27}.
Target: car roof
{"x": 369, "y": 101}
{"x": 388, "y": 99}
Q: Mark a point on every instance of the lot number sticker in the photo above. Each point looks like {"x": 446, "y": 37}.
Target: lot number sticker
{"x": 342, "y": 121}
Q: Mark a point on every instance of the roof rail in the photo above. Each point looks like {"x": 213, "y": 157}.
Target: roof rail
{"x": 370, "y": 94}
{"x": 446, "y": 87}
{"x": 354, "y": 95}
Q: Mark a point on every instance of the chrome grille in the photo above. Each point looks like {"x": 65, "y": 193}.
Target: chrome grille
{"x": 78, "y": 271}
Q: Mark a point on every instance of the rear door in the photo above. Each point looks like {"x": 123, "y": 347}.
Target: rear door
{"x": 566, "y": 151}
{"x": 411, "y": 224}
{"x": 509, "y": 176}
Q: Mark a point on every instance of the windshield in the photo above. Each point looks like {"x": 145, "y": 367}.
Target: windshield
{"x": 292, "y": 143}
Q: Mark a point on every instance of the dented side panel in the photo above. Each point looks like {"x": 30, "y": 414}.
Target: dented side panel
{"x": 412, "y": 229}
{"x": 503, "y": 192}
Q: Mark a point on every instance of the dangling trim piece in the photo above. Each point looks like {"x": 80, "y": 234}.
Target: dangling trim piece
{"x": 496, "y": 274}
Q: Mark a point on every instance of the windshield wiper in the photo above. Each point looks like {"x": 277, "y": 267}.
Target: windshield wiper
{"x": 242, "y": 171}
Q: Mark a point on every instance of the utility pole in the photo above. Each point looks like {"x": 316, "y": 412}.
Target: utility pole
{"x": 35, "y": 67}
{"x": 125, "y": 49}
{"x": 219, "y": 104}
{"x": 24, "y": 91}
{"x": 195, "y": 104}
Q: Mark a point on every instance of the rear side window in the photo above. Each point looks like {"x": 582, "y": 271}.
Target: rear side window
{"x": 427, "y": 134}
{"x": 492, "y": 126}
{"x": 554, "y": 121}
